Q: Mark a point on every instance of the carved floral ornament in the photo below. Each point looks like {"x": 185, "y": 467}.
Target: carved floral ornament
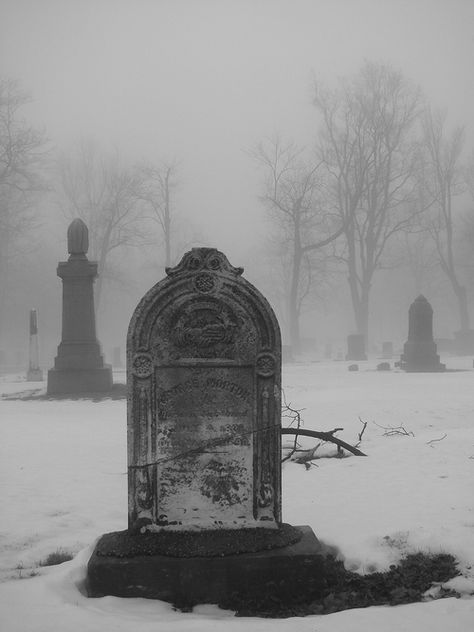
{"x": 266, "y": 364}
{"x": 142, "y": 365}
{"x": 205, "y": 283}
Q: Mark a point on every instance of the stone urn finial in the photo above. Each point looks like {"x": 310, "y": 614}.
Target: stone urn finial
{"x": 77, "y": 238}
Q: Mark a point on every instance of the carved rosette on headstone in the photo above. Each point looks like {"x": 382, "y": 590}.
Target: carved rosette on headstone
{"x": 419, "y": 351}
{"x": 203, "y": 375}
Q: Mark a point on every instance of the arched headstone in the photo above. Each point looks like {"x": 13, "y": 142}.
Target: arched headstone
{"x": 203, "y": 375}
{"x": 204, "y": 450}
{"x": 419, "y": 351}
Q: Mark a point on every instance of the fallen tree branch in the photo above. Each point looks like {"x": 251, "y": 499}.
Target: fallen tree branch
{"x": 390, "y": 431}
{"x": 364, "y": 426}
{"x": 325, "y": 436}
{"x": 295, "y": 415}
{"x": 435, "y": 440}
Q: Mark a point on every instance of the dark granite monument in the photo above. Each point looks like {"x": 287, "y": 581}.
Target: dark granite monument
{"x": 79, "y": 366}
{"x": 419, "y": 351}
{"x": 356, "y": 347}
{"x": 204, "y": 448}
{"x": 34, "y": 373}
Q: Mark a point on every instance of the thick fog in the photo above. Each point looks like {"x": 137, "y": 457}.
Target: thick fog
{"x": 196, "y": 85}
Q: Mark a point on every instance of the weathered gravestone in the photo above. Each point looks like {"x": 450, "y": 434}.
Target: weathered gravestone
{"x": 387, "y": 350}
{"x": 79, "y": 366}
{"x": 356, "y": 347}
{"x": 117, "y": 357}
{"x": 34, "y": 373}
{"x": 204, "y": 448}
{"x": 419, "y": 351}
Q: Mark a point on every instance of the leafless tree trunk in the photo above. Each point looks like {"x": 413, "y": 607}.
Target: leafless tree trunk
{"x": 105, "y": 194}
{"x": 293, "y": 194}
{"x": 367, "y": 149}
{"x": 443, "y": 182}
{"x": 157, "y": 189}
{"x": 23, "y": 155}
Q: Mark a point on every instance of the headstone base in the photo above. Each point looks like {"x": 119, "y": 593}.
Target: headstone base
{"x": 281, "y": 574}
{"x": 62, "y": 381}
{"x": 34, "y": 375}
{"x": 420, "y": 357}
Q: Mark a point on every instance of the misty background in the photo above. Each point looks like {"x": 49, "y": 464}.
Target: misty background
{"x": 165, "y": 117}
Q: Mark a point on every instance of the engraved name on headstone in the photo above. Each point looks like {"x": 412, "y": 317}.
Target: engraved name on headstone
{"x": 203, "y": 375}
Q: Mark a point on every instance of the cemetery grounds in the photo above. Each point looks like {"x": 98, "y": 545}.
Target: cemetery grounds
{"x": 63, "y": 483}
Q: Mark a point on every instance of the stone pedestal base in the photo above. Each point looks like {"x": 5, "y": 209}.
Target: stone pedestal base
{"x": 34, "y": 375}
{"x": 283, "y": 575}
{"x": 63, "y": 381}
{"x": 420, "y": 356}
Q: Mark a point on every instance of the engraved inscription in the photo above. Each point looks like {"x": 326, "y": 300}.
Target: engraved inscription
{"x": 205, "y": 439}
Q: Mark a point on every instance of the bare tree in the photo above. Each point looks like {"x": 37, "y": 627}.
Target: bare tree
{"x": 157, "y": 192}
{"x": 293, "y": 193}
{"x": 22, "y": 160}
{"x": 366, "y": 145}
{"x": 443, "y": 181}
{"x": 105, "y": 194}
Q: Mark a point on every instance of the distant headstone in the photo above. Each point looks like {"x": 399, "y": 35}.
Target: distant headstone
{"x": 387, "y": 350}
{"x": 34, "y": 373}
{"x": 356, "y": 347}
{"x": 419, "y": 352}
{"x": 117, "y": 357}
{"x": 79, "y": 366}
{"x": 463, "y": 343}
{"x": 204, "y": 447}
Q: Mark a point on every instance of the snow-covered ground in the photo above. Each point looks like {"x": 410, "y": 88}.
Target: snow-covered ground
{"x": 63, "y": 483}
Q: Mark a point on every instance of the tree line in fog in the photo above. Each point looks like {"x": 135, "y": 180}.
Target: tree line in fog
{"x": 384, "y": 180}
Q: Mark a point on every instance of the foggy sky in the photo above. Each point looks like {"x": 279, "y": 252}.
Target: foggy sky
{"x": 203, "y": 80}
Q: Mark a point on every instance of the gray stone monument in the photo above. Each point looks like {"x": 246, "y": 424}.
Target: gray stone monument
{"x": 204, "y": 448}
{"x": 356, "y": 347}
{"x": 464, "y": 342}
{"x": 387, "y": 350}
{"x": 419, "y": 351}
{"x": 79, "y": 366}
{"x": 34, "y": 373}
{"x": 117, "y": 357}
